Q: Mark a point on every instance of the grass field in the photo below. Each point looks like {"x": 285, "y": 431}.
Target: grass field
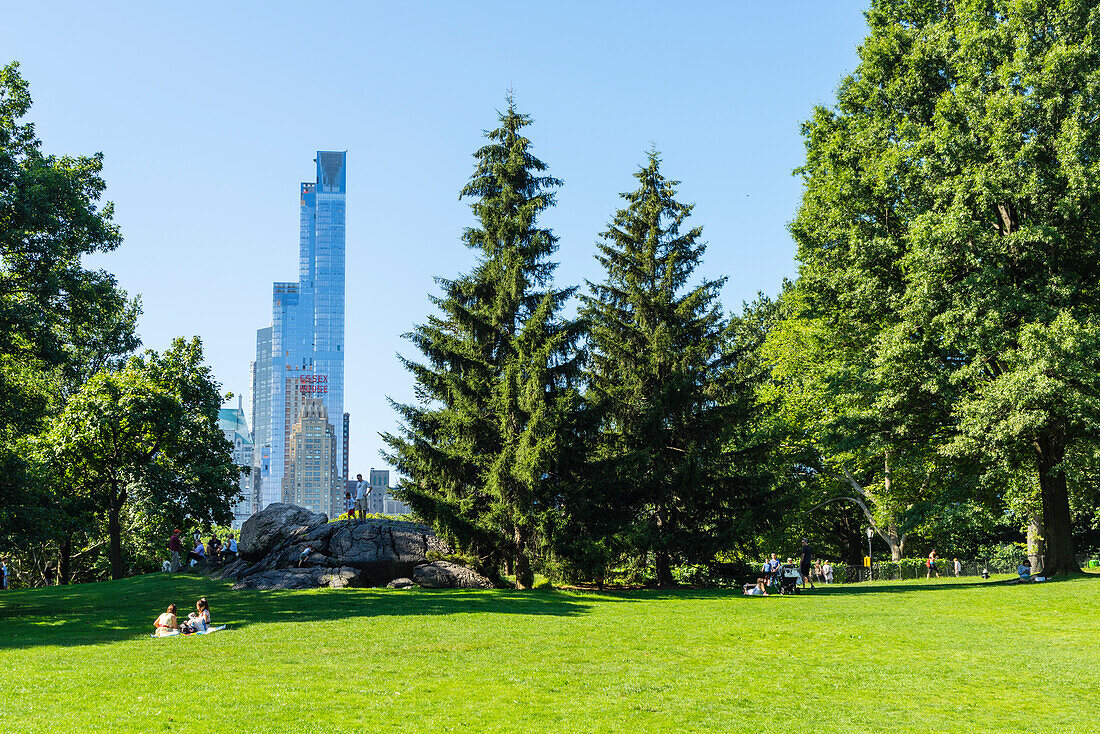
{"x": 903, "y": 657}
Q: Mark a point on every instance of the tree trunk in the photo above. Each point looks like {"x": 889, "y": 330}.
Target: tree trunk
{"x": 662, "y": 563}
{"x": 891, "y": 535}
{"x": 1057, "y": 521}
{"x": 114, "y": 532}
{"x": 64, "y": 559}
{"x": 525, "y": 577}
{"x": 894, "y": 541}
{"x": 1036, "y": 546}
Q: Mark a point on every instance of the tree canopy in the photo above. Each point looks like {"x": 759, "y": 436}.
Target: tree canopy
{"x": 949, "y": 222}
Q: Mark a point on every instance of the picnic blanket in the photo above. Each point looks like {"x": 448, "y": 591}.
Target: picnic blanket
{"x": 176, "y": 633}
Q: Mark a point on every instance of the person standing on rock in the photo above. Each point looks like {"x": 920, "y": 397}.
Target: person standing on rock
{"x": 361, "y": 496}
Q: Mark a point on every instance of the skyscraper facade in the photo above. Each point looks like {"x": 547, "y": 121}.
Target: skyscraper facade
{"x": 235, "y": 430}
{"x": 311, "y": 479}
{"x": 301, "y": 355}
{"x": 347, "y": 442}
{"x": 261, "y": 415}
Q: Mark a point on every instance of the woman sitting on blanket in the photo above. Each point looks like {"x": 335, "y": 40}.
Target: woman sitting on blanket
{"x": 198, "y": 620}
{"x": 166, "y": 623}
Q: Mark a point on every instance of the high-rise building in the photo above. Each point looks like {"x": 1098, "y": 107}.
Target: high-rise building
{"x": 301, "y": 355}
{"x": 311, "y": 478}
{"x": 261, "y": 416}
{"x": 235, "y": 430}
{"x": 347, "y": 442}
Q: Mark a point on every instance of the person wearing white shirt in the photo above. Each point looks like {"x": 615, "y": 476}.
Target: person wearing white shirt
{"x": 361, "y": 492}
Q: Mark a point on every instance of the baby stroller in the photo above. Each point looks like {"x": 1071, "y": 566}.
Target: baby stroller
{"x": 788, "y": 579}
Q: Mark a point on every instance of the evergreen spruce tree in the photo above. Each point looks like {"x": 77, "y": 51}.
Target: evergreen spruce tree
{"x": 658, "y": 378}
{"x": 480, "y": 450}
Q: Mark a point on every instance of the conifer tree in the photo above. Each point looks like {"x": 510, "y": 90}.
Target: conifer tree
{"x": 658, "y": 378}
{"x": 480, "y": 449}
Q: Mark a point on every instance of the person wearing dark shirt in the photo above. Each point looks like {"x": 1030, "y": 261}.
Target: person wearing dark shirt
{"x": 805, "y": 562}
{"x": 176, "y": 547}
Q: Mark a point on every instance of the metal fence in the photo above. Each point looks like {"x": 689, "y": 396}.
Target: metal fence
{"x": 912, "y": 570}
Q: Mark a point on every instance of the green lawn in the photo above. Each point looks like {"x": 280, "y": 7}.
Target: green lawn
{"x": 902, "y": 657}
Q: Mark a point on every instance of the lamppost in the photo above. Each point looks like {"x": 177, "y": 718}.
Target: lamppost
{"x": 870, "y": 533}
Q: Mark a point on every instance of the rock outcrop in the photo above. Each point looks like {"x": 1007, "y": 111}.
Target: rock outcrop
{"x": 278, "y": 522}
{"x": 447, "y": 575}
{"x": 299, "y": 578}
{"x": 350, "y": 553}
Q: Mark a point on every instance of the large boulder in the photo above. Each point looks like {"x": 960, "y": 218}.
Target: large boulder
{"x": 447, "y": 575}
{"x": 274, "y": 526}
{"x": 382, "y": 549}
{"x": 300, "y": 578}
{"x": 360, "y": 553}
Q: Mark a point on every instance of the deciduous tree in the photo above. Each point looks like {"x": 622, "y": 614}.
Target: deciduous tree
{"x": 147, "y": 435}
{"x": 951, "y": 211}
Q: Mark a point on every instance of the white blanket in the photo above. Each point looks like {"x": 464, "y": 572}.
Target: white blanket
{"x": 176, "y": 633}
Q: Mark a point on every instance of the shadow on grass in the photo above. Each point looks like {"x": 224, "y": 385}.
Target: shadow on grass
{"x": 113, "y": 611}
{"x": 919, "y": 585}
{"x": 895, "y": 586}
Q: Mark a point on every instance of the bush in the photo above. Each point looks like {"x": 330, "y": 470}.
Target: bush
{"x": 378, "y": 516}
{"x": 1003, "y": 557}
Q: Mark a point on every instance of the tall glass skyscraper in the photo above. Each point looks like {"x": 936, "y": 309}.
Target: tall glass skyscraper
{"x": 301, "y": 355}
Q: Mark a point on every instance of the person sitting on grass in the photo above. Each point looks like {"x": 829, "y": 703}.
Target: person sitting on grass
{"x": 166, "y": 623}
{"x": 756, "y": 589}
{"x": 1024, "y": 572}
{"x": 198, "y": 620}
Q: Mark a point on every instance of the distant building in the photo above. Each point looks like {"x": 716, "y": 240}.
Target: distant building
{"x": 347, "y": 441}
{"x": 235, "y": 430}
{"x": 301, "y": 355}
{"x": 380, "y": 499}
{"x": 310, "y": 479}
{"x": 261, "y": 416}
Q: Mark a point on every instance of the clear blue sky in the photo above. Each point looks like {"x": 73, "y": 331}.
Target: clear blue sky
{"x": 209, "y": 115}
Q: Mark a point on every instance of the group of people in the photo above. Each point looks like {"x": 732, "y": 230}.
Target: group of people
{"x": 808, "y": 570}
{"x": 357, "y": 503}
{"x": 212, "y": 552}
{"x": 197, "y": 621}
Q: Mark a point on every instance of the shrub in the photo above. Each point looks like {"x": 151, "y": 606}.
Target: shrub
{"x": 378, "y": 516}
{"x": 1004, "y": 557}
